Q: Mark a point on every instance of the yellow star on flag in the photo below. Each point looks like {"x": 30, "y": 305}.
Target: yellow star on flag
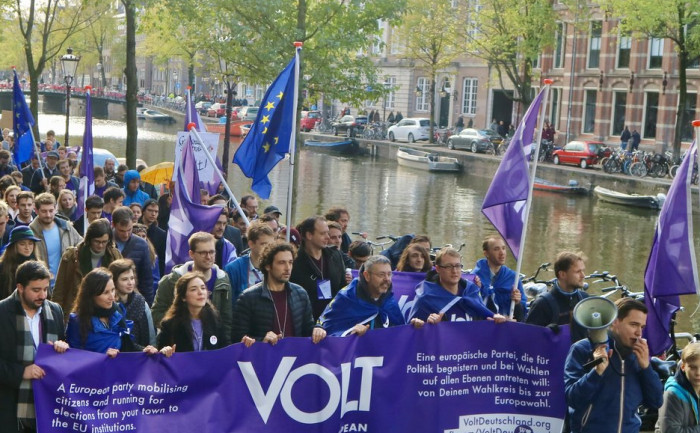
{"x": 265, "y": 119}
{"x": 265, "y": 130}
{"x": 277, "y": 139}
{"x": 270, "y": 105}
{"x": 280, "y": 95}
{"x": 266, "y": 146}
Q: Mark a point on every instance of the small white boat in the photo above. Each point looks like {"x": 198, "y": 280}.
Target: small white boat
{"x": 157, "y": 116}
{"x": 647, "y": 201}
{"x": 140, "y": 113}
{"x": 426, "y": 161}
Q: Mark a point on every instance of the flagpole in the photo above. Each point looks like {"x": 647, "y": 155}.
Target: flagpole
{"x": 292, "y": 139}
{"x": 87, "y": 185}
{"x": 531, "y": 183}
{"x": 193, "y": 130}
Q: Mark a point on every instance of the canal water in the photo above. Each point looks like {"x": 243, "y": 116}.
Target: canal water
{"x": 384, "y": 198}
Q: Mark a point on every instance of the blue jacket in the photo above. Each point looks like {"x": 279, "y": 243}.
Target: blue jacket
{"x": 500, "y": 288}
{"x": 137, "y": 196}
{"x": 237, "y": 272}
{"x": 431, "y": 297}
{"x": 348, "y": 308}
{"x": 594, "y": 401}
{"x": 100, "y": 338}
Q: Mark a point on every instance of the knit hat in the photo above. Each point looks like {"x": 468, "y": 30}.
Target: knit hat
{"x": 21, "y": 233}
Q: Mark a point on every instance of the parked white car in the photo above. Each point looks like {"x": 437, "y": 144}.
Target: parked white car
{"x": 410, "y": 129}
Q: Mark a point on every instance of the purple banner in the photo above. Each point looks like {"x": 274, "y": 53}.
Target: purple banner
{"x": 451, "y": 377}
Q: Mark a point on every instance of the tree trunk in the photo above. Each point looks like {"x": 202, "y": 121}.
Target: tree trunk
{"x": 131, "y": 84}
{"x": 227, "y": 130}
{"x": 431, "y": 99}
{"x": 682, "y": 90}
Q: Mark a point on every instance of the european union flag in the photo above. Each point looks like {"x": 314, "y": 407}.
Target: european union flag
{"x": 22, "y": 122}
{"x": 270, "y": 135}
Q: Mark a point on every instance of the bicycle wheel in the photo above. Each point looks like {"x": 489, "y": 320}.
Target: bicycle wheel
{"x": 673, "y": 171}
{"x": 367, "y": 134}
{"x": 638, "y": 169}
{"x": 659, "y": 170}
{"x": 625, "y": 168}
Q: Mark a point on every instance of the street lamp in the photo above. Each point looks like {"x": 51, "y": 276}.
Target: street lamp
{"x": 99, "y": 75}
{"x": 175, "y": 83}
{"x": 69, "y": 62}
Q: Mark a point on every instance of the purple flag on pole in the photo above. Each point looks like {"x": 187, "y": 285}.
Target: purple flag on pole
{"x": 187, "y": 215}
{"x": 87, "y": 175}
{"x": 671, "y": 270}
{"x": 504, "y": 204}
{"x": 192, "y": 115}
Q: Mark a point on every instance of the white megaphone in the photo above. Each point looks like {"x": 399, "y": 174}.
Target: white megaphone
{"x": 596, "y": 314}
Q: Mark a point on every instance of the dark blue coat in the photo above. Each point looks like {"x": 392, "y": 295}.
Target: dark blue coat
{"x": 136, "y": 249}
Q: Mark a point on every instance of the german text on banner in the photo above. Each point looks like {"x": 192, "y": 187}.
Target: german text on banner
{"x": 451, "y": 377}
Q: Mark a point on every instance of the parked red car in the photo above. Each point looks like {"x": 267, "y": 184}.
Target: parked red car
{"x": 309, "y": 119}
{"x": 581, "y": 153}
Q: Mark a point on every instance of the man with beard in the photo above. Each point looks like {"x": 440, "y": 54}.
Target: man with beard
{"x": 367, "y": 303}
{"x": 225, "y": 251}
{"x": 496, "y": 280}
{"x": 27, "y": 319}
{"x": 556, "y": 307}
{"x": 275, "y": 308}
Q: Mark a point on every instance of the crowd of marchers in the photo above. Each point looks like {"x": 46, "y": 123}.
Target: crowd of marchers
{"x": 100, "y": 283}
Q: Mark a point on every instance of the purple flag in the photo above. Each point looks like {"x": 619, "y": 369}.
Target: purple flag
{"x": 504, "y": 204}
{"x": 87, "y": 175}
{"x": 671, "y": 270}
{"x": 192, "y": 115}
{"x": 187, "y": 215}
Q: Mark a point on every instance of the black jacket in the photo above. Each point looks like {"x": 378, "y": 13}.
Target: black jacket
{"x": 306, "y": 274}
{"x": 136, "y": 249}
{"x": 158, "y": 238}
{"x": 11, "y": 369}
{"x": 233, "y": 235}
{"x": 254, "y": 314}
{"x": 176, "y": 332}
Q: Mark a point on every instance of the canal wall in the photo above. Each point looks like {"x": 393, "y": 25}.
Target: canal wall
{"x": 483, "y": 165}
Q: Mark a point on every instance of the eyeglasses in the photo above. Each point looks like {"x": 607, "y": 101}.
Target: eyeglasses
{"x": 99, "y": 242}
{"x": 206, "y": 253}
{"x": 455, "y": 266}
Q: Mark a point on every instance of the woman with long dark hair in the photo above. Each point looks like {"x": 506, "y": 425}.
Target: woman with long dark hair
{"x": 192, "y": 323}
{"x": 98, "y": 323}
{"x": 19, "y": 250}
{"x": 415, "y": 258}
{"x": 94, "y": 251}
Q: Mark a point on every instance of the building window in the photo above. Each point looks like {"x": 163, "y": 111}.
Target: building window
{"x": 624, "y": 47}
{"x": 589, "y": 115}
{"x": 656, "y": 52}
{"x": 618, "y": 120}
{"x": 474, "y": 7}
{"x": 691, "y": 105}
{"x": 651, "y": 111}
{"x": 395, "y": 45}
{"x": 390, "y": 82}
{"x": 536, "y": 62}
{"x": 594, "y": 44}
{"x": 554, "y": 107}
{"x": 469, "y": 90}
{"x": 378, "y": 45}
{"x": 423, "y": 89}
{"x": 560, "y": 49}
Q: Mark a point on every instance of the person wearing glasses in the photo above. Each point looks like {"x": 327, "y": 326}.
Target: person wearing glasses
{"x": 203, "y": 254}
{"x": 366, "y": 303}
{"x": 445, "y": 296}
{"x": 96, "y": 250}
{"x": 135, "y": 248}
{"x": 225, "y": 251}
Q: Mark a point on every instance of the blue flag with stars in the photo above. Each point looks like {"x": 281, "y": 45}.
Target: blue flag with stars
{"x": 22, "y": 122}
{"x": 269, "y": 137}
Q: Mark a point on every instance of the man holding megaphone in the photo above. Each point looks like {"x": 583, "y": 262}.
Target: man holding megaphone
{"x": 607, "y": 380}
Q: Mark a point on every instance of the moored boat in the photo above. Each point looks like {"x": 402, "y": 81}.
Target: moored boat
{"x": 157, "y": 116}
{"x": 344, "y": 146}
{"x": 414, "y": 158}
{"x": 235, "y": 128}
{"x": 572, "y": 188}
{"x": 637, "y": 200}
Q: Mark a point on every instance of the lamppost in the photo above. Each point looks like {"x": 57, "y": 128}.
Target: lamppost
{"x": 99, "y": 75}
{"x": 69, "y": 62}
{"x": 175, "y": 83}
